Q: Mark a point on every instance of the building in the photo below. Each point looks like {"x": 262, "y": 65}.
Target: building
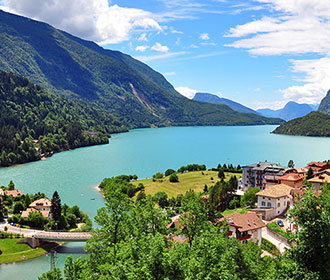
{"x": 318, "y": 166}
{"x": 2, "y": 194}
{"x": 244, "y": 227}
{"x": 13, "y": 193}
{"x": 43, "y": 205}
{"x": 273, "y": 201}
{"x": 260, "y": 174}
{"x": 294, "y": 180}
{"x": 320, "y": 179}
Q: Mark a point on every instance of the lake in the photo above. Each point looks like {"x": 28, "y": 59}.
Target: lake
{"x": 144, "y": 152}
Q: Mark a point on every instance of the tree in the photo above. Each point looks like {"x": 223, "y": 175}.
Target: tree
{"x": 221, "y": 174}
{"x": 249, "y": 197}
{"x": 158, "y": 175}
{"x": 161, "y": 199}
{"x": 168, "y": 172}
{"x": 11, "y": 185}
{"x": 205, "y": 190}
{"x": 36, "y": 220}
{"x": 141, "y": 195}
{"x": 55, "y": 208}
{"x": 55, "y": 274}
{"x": 2, "y": 211}
{"x": 290, "y": 164}
{"x": 310, "y": 174}
{"x": 174, "y": 178}
{"x": 18, "y": 207}
{"x": 311, "y": 214}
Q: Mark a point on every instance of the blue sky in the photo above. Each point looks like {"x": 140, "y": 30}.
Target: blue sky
{"x": 262, "y": 53}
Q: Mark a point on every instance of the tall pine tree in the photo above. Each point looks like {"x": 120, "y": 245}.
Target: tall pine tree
{"x": 55, "y": 209}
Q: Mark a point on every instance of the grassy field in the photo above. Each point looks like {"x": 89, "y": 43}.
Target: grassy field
{"x": 237, "y": 210}
{"x": 187, "y": 181}
{"x": 13, "y": 252}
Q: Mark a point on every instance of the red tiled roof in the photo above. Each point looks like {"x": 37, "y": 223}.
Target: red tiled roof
{"x": 292, "y": 177}
{"x": 244, "y": 222}
{"x": 14, "y": 193}
{"x": 318, "y": 164}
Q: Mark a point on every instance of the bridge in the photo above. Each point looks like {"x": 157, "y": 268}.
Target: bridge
{"x": 33, "y": 237}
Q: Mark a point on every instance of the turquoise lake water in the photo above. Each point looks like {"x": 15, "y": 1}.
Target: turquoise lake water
{"x": 144, "y": 152}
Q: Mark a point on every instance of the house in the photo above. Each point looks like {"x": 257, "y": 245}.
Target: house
{"x": 318, "y": 180}
{"x": 244, "y": 227}
{"x": 260, "y": 174}
{"x": 273, "y": 201}
{"x": 13, "y": 193}
{"x": 43, "y": 205}
{"x": 318, "y": 166}
{"x": 294, "y": 180}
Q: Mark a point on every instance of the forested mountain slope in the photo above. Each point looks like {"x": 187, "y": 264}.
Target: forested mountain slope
{"x": 81, "y": 70}
{"x": 313, "y": 124}
{"x": 34, "y": 122}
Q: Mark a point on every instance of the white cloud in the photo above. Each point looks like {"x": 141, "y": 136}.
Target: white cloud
{"x": 143, "y": 37}
{"x": 274, "y": 105}
{"x": 176, "y": 31}
{"x": 158, "y": 47}
{"x": 293, "y": 27}
{"x": 160, "y": 56}
{"x": 90, "y": 19}
{"x": 186, "y": 91}
{"x": 141, "y": 48}
{"x": 204, "y": 36}
{"x": 170, "y": 74}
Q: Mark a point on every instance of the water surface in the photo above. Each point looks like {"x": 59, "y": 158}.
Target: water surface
{"x": 144, "y": 152}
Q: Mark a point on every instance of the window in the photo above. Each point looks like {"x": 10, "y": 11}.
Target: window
{"x": 278, "y": 204}
{"x": 269, "y": 204}
{"x": 263, "y": 203}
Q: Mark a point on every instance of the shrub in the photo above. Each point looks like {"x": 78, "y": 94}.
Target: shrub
{"x": 5, "y": 228}
{"x": 174, "y": 178}
{"x": 168, "y": 172}
{"x": 158, "y": 175}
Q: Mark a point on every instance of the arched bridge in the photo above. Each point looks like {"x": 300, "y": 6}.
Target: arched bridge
{"x": 63, "y": 236}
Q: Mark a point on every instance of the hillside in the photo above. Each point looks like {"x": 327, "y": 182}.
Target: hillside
{"x": 81, "y": 70}
{"x": 314, "y": 124}
{"x": 325, "y": 104}
{"x": 290, "y": 111}
{"x": 214, "y": 99}
{"x": 34, "y": 122}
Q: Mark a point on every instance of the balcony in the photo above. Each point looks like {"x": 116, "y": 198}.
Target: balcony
{"x": 245, "y": 237}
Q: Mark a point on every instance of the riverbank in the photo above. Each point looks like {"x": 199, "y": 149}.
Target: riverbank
{"x": 13, "y": 251}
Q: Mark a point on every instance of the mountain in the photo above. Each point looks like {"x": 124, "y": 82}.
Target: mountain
{"x": 313, "y": 124}
{"x": 325, "y": 104}
{"x": 290, "y": 111}
{"x": 214, "y": 99}
{"x": 34, "y": 122}
{"x": 107, "y": 80}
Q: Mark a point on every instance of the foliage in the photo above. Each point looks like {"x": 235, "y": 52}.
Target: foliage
{"x": 249, "y": 198}
{"x": 309, "y": 174}
{"x": 192, "y": 167}
{"x": 161, "y": 199}
{"x": 168, "y": 172}
{"x": 34, "y": 122}
{"x": 275, "y": 227}
{"x": 221, "y": 174}
{"x": 55, "y": 209}
{"x": 269, "y": 247}
{"x": 290, "y": 164}
{"x": 313, "y": 124}
{"x": 158, "y": 175}
{"x": 174, "y": 178}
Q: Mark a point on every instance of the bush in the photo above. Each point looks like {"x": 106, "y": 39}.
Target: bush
{"x": 158, "y": 175}
{"x": 168, "y": 172}
{"x": 5, "y": 228}
{"x": 174, "y": 178}
{"x": 269, "y": 247}
{"x": 161, "y": 199}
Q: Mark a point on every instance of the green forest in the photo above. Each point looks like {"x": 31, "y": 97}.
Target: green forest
{"x": 34, "y": 122}
{"x": 313, "y": 124}
{"x": 134, "y": 242}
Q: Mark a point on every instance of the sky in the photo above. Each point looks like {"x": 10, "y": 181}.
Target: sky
{"x": 261, "y": 53}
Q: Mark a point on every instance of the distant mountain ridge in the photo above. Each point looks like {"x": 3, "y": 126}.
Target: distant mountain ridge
{"x": 214, "y": 99}
{"x": 325, "y": 104}
{"x": 290, "y": 111}
{"x": 108, "y": 80}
